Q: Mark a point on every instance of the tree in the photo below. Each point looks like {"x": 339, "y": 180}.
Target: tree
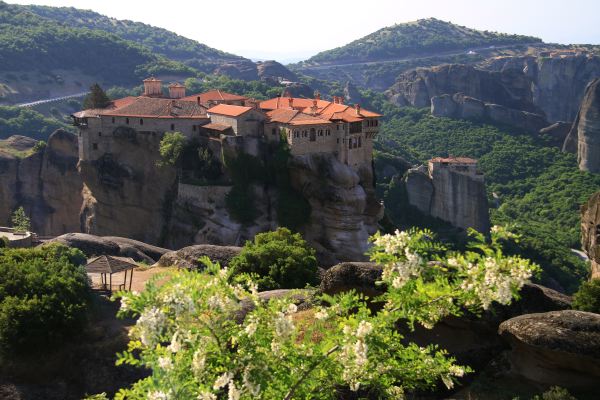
{"x": 44, "y": 298}
{"x": 20, "y": 220}
{"x": 587, "y": 298}
{"x": 280, "y": 259}
{"x": 96, "y": 98}
{"x": 171, "y": 147}
{"x": 188, "y": 336}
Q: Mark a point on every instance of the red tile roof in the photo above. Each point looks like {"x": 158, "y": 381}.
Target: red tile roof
{"x": 454, "y": 160}
{"x": 159, "y": 108}
{"x": 214, "y": 95}
{"x": 229, "y": 110}
{"x": 115, "y": 104}
{"x": 216, "y": 127}
{"x": 295, "y": 117}
{"x": 324, "y": 109}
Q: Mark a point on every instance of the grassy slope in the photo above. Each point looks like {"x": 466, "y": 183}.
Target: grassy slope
{"x": 540, "y": 188}
{"x": 424, "y": 36}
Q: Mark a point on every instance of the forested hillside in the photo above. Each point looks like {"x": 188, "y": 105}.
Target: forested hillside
{"x": 534, "y": 186}
{"x": 425, "y": 36}
{"x": 159, "y": 40}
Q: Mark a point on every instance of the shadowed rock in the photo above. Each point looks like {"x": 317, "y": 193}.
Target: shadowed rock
{"x": 360, "y": 276}
{"x": 188, "y": 257}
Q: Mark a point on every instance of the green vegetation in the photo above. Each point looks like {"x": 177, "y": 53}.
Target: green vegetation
{"x": 539, "y": 188}
{"x": 416, "y": 38}
{"x": 27, "y": 122}
{"x": 44, "y": 297}
{"x": 240, "y": 201}
{"x": 20, "y": 220}
{"x": 29, "y": 41}
{"x": 160, "y": 41}
{"x": 280, "y": 259}
{"x": 171, "y": 148}
{"x": 96, "y": 98}
{"x": 39, "y": 146}
{"x": 587, "y": 298}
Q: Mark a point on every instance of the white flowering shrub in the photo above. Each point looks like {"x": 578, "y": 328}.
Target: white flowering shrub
{"x": 190, "y": 336}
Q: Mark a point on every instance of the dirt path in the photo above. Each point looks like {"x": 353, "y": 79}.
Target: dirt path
{"x": 140, "y": 277}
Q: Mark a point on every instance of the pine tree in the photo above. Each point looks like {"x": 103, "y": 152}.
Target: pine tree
{"x": 20, "y": 220}
{"x": 97, "y": 98}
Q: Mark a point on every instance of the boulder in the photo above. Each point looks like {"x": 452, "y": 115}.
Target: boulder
{"x": 345, "y": 276}
{"x": 153, "y": 252}
{"x": 188, "y": 257}
{"x": 590, "y": 229}
{"x": 557, "y": 133}
{"x": 559, "y": 348}
{"x": 584, "y": 137}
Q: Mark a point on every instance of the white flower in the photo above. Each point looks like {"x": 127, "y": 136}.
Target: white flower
{"x": 206, "y": 396}
{"x": 198, "y": 362}
{"x": 347, "y": 330}
{"x": 150, "y": 325}
{"x": 321, "y": 314}
{"x": 175, "y": 345}
{"x": 234, "y": 393}
{"x": 158, "y": 395}
{"x": 457, "y": 371}
{"x": 283, "y": 325}
{"x": 364, "y": 329}
{"x": 250, "y": 329}
{"x": 165, "y": 363}
{"x": 360, "y": 351}
{"x": 252, "y": 388}
{"x": 223, "y": 380}
{"x": 275, "y": 347}
{"x": 292, "y": 308}
{"x": 354, "y": 386}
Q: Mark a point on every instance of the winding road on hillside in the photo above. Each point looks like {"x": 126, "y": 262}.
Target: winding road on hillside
{"x": 50, "y": 100}
{"x": 425, "y": 57}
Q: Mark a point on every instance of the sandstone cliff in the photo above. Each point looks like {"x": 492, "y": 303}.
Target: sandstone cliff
{"x": 584, "y": 137}
{"x": 550, "y": 86}
{"x": 460, "y": 106}
{"x": 451, "y": 196}
{"x": 45, "y": 183}
{"x": 590, "y": 232}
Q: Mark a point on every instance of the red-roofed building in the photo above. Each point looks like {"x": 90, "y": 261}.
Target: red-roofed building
{"x": 463, "y": 165}
{"x": 214, "y": 97}
{"x": 245, "y": 121}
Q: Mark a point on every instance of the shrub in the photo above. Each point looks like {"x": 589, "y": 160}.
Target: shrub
{"x": 240, "y": 204}
{"x": 587, "y": 298}
{"x": 281, "y": 259}
{"x": 44, "y": 295}
{"x": 39, "y": 146}
{"x": 187, "y": 336}
{"x": 20, "y": 220}
{"x": 97, "y": 98}
{"x": 171, "y": 148}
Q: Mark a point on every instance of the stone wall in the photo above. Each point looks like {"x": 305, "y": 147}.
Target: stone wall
{"x": 590, "y": 232}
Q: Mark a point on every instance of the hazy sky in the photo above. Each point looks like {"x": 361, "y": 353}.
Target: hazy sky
{"x": 292, "y": 30}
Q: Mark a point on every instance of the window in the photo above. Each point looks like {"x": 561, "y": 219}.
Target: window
{"x": 338, "y": 127}
{"x": 113, "y": 120}
{"x": 313, "y": 134}
{"x": 194, "y": 128}
{"x": 376, "y": 122}
{"x": 99, "y": 133}
{"x": 95, "y": 146}
{"x": 141, "y": 121}
{"x": 274, "y": 131}
{"x": 127, "y": 121}
{"x": 172, "y": 127}
{"x": 320, "y": 132}
{"x": 350, "y": 143}
{"x": 359, "y": 141}
{"x": 338, "y": 140}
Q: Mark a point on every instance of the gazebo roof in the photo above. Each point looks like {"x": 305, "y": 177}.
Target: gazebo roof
{"x": 109, "y": 265}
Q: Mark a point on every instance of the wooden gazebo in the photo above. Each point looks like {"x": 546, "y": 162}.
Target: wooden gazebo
{"x": 106, "y": 266}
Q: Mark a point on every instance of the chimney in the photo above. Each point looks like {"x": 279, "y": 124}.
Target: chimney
{"x": 335, "y": 99}
{"x": 291, "y": 102}
{"x": 152, "y": 87}
{"x": 198, "y": 100}
{"x": 317, "y": 95}
{"x": 176, "y": 90}
{"x": 357, "y": 106}
{"x": 341, "y": 99}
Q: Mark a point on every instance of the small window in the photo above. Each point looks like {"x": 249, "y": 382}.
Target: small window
{"x": 172, "y": 127}
{"x": 350, "y": 143}
{"x": 359, "y": 141}
{"x": 141, "y": 121}
{"x": 95, "y": 146}
{"x": 99, "y": 133}
{"x": 127, "y": 121}
{"x": 113, "y": 120}
{"x": 194, "y": 128}
{"x": 79, "y": 133}
{"x": 338, "y": 140}
{"x": 274, "y": 131}
{"x": 338, "y": 127}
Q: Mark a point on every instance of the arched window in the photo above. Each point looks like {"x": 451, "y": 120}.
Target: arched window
{"x": 141, "y": 121}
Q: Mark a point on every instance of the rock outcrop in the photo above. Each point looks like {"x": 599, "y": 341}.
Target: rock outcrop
{"x": 273, "y": 71}
{"x": 584, "y": 137}
{"x": 244, "y": 69}
{"x": 344, "y": 208}
{"x": 351, "y": 94}
{"x": 360, "y": 276}
{"x": 452, "y": 196}
{"x": 459, "y": 105}
{"x": 590, "y": 232}
{"x": 92, "y": 245}
{"x": 556, "y": 133}
{"x": 188, "y": 257}
{"x": 551, "y": 86}
{"x": 45, "y": 182}
{"x": 556, "y": 348}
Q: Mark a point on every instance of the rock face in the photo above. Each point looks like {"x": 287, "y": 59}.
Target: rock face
{"x": 560, "y": 348}
{"x": 360, "y": 276}
{"x": 552, "y": 87}
{"x": 460, "y": 106}
{"x": 244, "y": 69}
{"x": 345, "y": 210}
{"x": 45, "y": 183}
{"x": 584, "y": 137}
{"x": 452, "y": 196}
{"x": 188, "y": 256}
{"x": 590, "y": 232}
{"x": 272, "y": 70}
{"x": 351, "y": 94}
{"x": 92, "y": 245}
